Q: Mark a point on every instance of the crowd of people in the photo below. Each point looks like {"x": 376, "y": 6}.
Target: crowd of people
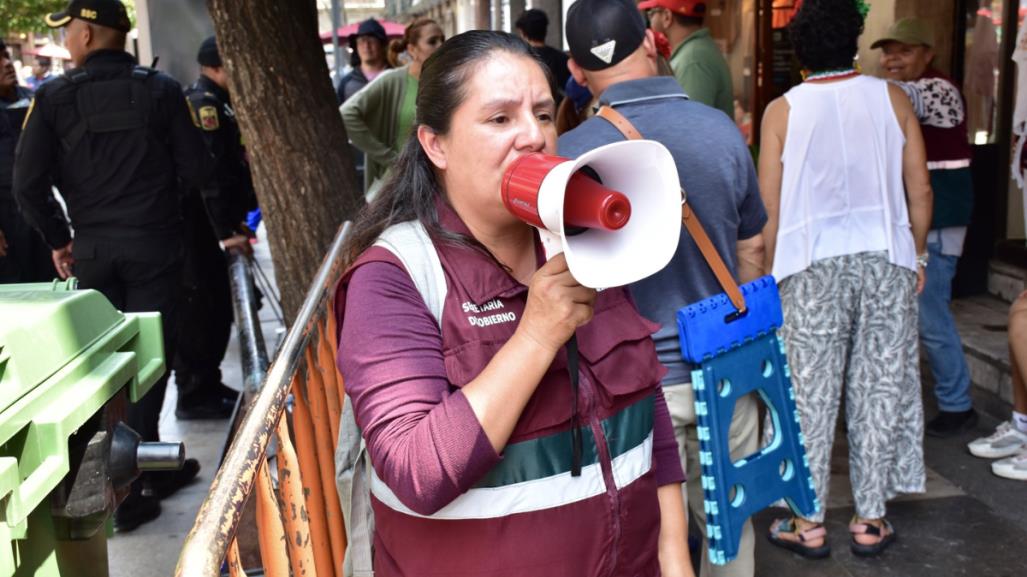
{"x": 565, "y": 426}
{"x": 379, "y": 118}
{"x": 858, "y": 208}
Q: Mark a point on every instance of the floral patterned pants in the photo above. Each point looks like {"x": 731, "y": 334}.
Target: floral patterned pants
{"x": 850, "y": 325}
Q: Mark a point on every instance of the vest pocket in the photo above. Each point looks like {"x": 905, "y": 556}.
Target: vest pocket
{"x": 548, "y": 407}
{"x": 619, "y": 350}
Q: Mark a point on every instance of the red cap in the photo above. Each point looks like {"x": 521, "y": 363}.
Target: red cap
{"x": 690, "y": 8}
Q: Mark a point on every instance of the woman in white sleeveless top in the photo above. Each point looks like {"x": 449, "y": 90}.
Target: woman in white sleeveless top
{"x": 844, "y": 179}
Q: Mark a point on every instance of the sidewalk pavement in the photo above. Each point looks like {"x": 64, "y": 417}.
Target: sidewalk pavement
{"x": 968, "y": 523}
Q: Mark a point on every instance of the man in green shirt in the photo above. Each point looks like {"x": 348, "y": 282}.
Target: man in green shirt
{"x": 698, "y": 65}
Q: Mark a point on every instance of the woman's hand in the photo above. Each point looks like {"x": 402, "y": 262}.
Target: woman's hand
{"x": 557, "y": 305}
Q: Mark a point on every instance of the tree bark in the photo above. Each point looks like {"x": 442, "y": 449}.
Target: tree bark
{"x": 295, "y": 139}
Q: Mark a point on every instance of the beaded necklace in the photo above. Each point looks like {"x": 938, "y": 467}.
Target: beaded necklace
{"x": 830, "y": 74}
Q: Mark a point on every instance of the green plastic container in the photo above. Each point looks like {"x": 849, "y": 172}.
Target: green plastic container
{"x": 64, "y": 354}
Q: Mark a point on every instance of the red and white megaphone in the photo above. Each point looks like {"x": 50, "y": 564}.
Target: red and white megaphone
{"x": 614, "y": 211}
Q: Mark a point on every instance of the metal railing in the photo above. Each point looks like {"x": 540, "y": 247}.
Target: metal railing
{"x": 298, "y": 516}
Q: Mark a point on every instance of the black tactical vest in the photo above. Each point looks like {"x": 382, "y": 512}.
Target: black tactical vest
{"x": 113, "y": 127}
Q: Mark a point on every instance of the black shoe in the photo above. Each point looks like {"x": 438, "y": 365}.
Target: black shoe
{"x": 209, "y": 409}
{"x": 226, "y": 393}
{"x": 949, "y": 424}
{"x": 135, "y": 510}
{"x": 165, "y": 483}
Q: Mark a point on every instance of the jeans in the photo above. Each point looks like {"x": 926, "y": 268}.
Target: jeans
{"x": 939, "y": 336}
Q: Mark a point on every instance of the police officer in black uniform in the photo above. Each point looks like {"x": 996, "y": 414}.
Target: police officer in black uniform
{"x": 24, "y": 257}
{"x": 205, "y": 318}
{"x": 118, "y": 142}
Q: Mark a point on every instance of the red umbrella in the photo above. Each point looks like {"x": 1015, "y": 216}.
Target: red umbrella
{"x": 392, "y": 29}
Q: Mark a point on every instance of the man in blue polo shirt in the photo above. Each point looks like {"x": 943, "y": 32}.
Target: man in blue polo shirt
{"x": 614, "y": 55}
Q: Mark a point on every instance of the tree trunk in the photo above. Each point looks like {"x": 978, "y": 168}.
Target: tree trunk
{"x": 299, "y": 154}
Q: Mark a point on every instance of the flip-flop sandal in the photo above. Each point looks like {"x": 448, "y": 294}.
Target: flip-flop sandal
{"x": 886, "y": 536}
{"x": 798, "y": 545}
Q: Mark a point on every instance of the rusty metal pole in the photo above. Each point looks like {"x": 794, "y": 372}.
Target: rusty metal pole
{"x": 273, "y": 552}
{"x": 313, "y": 492}
{"x": 325, "y": 445}
{"x": 293, "y": 506}
{"x": 325, "y": 358}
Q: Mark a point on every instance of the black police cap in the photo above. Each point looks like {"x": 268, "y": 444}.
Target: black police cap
{"x": 208, "y": 54}
{"x": 106, "y": 13}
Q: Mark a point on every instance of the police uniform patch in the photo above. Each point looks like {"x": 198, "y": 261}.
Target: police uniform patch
{"x": 209, "y": 118}
{"x": 32, "y": 106}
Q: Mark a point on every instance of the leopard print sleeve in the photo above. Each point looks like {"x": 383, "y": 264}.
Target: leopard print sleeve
{"x": 936, "y": 101}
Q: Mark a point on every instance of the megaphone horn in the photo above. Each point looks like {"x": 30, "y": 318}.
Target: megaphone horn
{"x": 587, "y": 204}
{"x": 614, "y": 211}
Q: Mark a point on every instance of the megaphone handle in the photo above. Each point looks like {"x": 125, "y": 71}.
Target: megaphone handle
{"x": 551, "y": 243}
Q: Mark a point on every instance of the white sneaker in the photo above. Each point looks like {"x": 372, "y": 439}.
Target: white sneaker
{"x": 1006, "y": 441}
{"x": 1014, "y": 467}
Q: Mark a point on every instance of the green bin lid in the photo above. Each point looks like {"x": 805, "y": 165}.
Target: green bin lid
{"x": 43, "y": 327}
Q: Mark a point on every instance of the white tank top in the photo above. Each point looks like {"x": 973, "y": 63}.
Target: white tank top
{"x": 842, "y": 190}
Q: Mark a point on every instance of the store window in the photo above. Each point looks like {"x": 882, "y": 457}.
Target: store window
{"x": 784, "y": 71}
{"x": 984, "y": 30}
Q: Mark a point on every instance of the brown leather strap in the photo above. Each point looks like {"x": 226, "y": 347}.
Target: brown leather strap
{"x": 620, "y": 123}
{"x": 709, "y": 252}
{"x": 690, "y": 220}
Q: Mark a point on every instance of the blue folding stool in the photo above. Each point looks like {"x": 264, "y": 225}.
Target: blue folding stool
{"x": 738, "y": 355}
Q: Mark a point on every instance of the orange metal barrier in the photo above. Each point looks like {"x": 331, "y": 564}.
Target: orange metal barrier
{"x": 283, "y": 457}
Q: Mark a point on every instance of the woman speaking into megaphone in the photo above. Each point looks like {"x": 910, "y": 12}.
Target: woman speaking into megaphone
{"x": 494, "y": 449}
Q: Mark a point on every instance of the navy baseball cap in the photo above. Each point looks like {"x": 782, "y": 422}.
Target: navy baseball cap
{"x": 369, "y": 27}
{"x": 601, "y": 33}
